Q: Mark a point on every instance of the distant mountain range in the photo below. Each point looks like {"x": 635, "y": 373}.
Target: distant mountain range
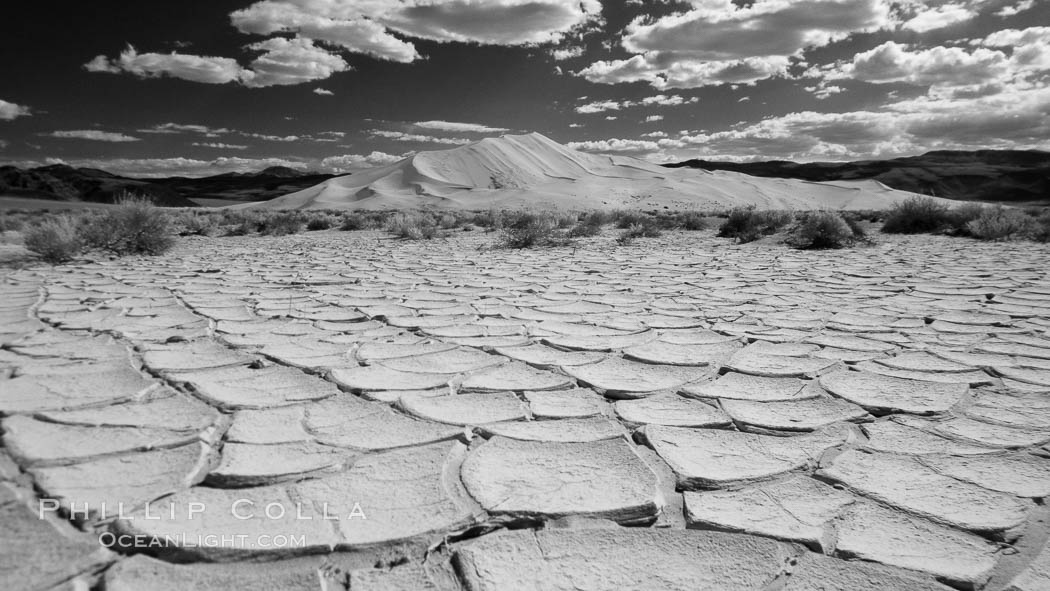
{"x": 65, "y": 183}
{"x": 1008, "y": 176}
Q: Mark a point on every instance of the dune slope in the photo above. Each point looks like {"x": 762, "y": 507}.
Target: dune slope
{"x": 532, "y": 170}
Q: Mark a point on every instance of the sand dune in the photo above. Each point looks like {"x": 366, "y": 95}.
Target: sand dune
{"x": 533, "y": 171}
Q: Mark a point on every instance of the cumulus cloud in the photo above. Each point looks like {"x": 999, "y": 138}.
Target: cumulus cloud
{"x": 662, "y": 100}
{"x": 323, "y": 92}
{"x": 176, "y": 128}
{"x": 1021, "y": 6}
{"x": 723, "y": 42}
{"x": 937, "y": 66}
{"x": 219, "y": 146}
{"x": 400, "y": 136}
{"x": 349, "y": 162}
{"x": 565, "y": 53}
{"x": 93, "y": 135}
{"x": 939, "y": 17}
{"x": 195, "y": 68}
{"x": 614, "y": 145}
{"x": 654, "y": 118}
{"x": 372, "y": 27}
{"x": 10, "y": 111}
{"x": 282, "y": 62}
{"x": 459, "y": 127}
{"x": 273, "y": 138}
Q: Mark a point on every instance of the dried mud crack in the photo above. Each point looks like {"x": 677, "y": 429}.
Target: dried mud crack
{"x": 334, "y": 411}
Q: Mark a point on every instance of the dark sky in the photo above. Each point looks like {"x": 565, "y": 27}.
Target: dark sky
{"x": 342, "y": 84}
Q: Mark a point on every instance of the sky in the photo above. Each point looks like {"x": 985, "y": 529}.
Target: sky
{"x": 164, "y": 88}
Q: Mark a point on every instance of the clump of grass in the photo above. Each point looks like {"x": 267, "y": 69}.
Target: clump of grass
{"x": 319, "y": 221}
{"x": 1000, "y": 223}
{"x": 134, "y": 226}
{"x": 648, "y": 228}
{"x": 589, "y": 224}
{"x": 352, "y": 221}
{"x": 917, "y": 215}
{"x": 193, "y": 223}
{"x": 413, "y": 226}
{"x": 281, "y": 224}
{"x": 692, "y": 221}
{"x": 1040, "y": 231}
{"x": 822, "y": 229}
{"x": 746, "y": 224}
{"x": 56, "y": 239}
{"x": 531, "y": 230}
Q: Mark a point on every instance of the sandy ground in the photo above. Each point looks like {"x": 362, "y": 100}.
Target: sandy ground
{"x": 353, "y": 411}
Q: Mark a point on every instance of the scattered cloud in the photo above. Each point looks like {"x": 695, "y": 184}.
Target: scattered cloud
{"x": 725, "y": 42}
{"x": 176, "y": 128}
{"x": 565, "y": 53}
{"x": 400, "y": 136}
{"x": 655, "y": 100}
{"x": 654, "y": 118}
{"x": 195, "y": 68}
{"x": 219, "y": 146}
{"x": 458, "y": 127}
{"x": 93, "y": 135}
{"x": 273, "y": 138}
{"x": 939, "y": 17}
{"x": 615, "y": 145}
{"x": 323, "y": 92}
{"x": 286, "y": 62}
{"x": 1021, "y": 6}
{"x": 349, "y": 162}
{"x": 11, "y": 111}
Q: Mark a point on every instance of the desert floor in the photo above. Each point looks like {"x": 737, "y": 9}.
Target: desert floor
{"x": 681, "y": 413}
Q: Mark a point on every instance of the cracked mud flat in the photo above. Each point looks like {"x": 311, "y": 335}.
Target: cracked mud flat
{"x": 682, "y": 413}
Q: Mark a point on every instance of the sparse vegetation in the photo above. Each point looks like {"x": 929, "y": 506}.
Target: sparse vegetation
{"x": 135, "y": 226}
{"x": 1000, "y": 223}
{"x": 282, "y": 224}
{"x": 646, "y": 229}
{"x": 746, "y": 224}
{"x": 692, "y": 221}
{"x": 56, "y": 239}
{"x": 821, "y": 230}
{"x": 530, "y": 230}
{"x": 917, "y": 215}
{"x": 413, "y": 226}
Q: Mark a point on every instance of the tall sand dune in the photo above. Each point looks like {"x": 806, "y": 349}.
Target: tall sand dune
{"x": 533, "y": 171}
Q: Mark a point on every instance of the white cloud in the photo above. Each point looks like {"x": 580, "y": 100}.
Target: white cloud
{"x": 823, "y": 90}
{"x": 654, "y": 118}
{"x": 176, "y": 128}
{"x": 371, "y": 26}
{"x": 348, "y": 162}
{"x": 290, "y": 61}
{"x": 946, "y": 15}
{"x": 723, "y": 42}
{"x": 219, "y": 146}
{"x": 93, "y": 135}
{"x": 400, "y": 136}
{"x": 274, "y": 138}
{"x": 163, "y": 167}
{"x": 662, "y": 100}
{"x": 10, "y": 111}
{"x": 567, "y": 53}
{"x": 323, "y": 92}
{"x": 614, "y": 145}
{"x": 195, "y": 68}
{"x": 459, "y": 127}
{"x": 656, "y": 134}
{"x": 1021, "y": 6}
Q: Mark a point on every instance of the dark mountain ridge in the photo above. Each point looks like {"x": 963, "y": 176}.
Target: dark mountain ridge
{"x": 1006, "y": 176}
{"x": 61, "y": 182}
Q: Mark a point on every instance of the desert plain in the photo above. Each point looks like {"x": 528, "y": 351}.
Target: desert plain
{"x": 344, "y": 410}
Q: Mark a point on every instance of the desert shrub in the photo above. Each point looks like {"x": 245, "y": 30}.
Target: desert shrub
{"x": 447, "y": 221}
{"x": 917, "y": 215}
{"x": 319, "y": 221}
{"x": 821, "y": 229}
{"x": 134, "y": 226}
{"x": 746, "y": 224}
{"x": 491, "y": 220}
{"x": 1040, "y": 230}
{"x": 412, "y": 226}
{"x": 854, "y": 226}
{"x": 11, "y": 222}
{"x": 647, "y": 229}
{"x": 56, "y": 239}
{"x": 960, "y": 217}
{"x": 529, "y": 230}
{"x": 626, "y": 219}
{"x": 352, "y": 221}
{"x": 281, "y": 223}
{"x": 192, "y": 223}
{"x": 693, "y": 221}
{"x": 1000, "y": 223}
{"x": 589, "y": 225}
